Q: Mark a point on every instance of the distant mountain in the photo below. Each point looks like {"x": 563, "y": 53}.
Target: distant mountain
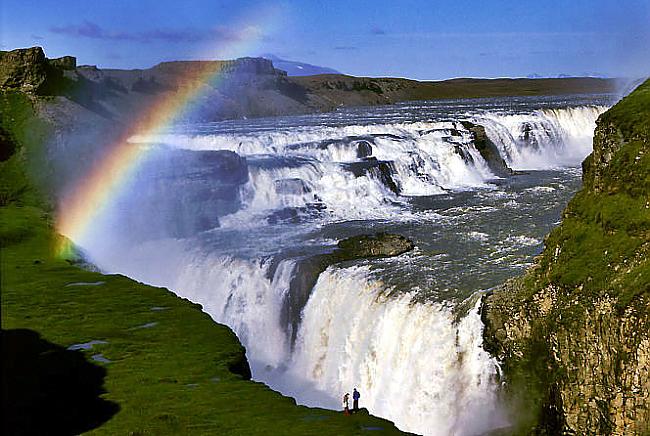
{"x": 294, "y": 68}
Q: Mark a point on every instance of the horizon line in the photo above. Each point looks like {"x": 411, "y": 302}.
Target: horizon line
{"x": 528, "y": 77}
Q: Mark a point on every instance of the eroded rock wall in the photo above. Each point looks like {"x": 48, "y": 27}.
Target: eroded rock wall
{"x": 574, "y": 333}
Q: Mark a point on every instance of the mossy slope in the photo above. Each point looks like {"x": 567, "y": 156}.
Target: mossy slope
{"x": 169, "y": 367}
{"x": 574, "y": 332}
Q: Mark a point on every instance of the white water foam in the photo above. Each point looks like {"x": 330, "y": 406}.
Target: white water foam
{"x": 543, "y": 139}
{"x": 233, "y": 291}
{"x": 343, "y": 195}
{"x": 425, "y": 155}
{"x": 412, "y": 362}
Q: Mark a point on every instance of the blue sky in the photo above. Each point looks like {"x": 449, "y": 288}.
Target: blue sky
{"x": 416, "y": 39}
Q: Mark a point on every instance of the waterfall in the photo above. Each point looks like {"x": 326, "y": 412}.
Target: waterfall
{"x": 226, "y": 217}
{"x": 415, "y": 363}
{"x": 545, "y": 138}
{"x": 412, "y": 362}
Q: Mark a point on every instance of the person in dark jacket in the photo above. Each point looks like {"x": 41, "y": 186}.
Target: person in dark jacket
{"x": 346, "y": 403}
{"x": 355, "y": 400}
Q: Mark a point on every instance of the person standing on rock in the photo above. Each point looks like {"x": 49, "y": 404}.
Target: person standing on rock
{"x": 355, "y": 400}
{"x": 346, "y": 403}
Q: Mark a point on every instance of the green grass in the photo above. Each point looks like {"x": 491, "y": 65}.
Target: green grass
{"x": 180, "y": 376}
{"x": 27, "y": 168}
{"x": 602, "y": 245}
{"x": 632, "y": 114}
{"x": 170, "y": 378}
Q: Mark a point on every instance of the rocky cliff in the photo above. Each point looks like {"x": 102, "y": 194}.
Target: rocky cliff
{"x": 28, "y": 70}
{"x": 574, "y": 333}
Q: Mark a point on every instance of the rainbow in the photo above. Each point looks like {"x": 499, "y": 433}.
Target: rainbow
{"x": 109, "y": 176}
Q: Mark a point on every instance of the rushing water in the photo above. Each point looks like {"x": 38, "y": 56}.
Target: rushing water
{"x": 238, "y": 241}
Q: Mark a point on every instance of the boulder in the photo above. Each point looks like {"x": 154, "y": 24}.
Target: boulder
{"x": 309, "y": 269}
{"x": 382, "y": 170}
{"x": 377, "y": 245}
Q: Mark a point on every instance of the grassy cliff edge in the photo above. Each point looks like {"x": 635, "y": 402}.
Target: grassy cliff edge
{"x": 159, "y": 364}
{"x": 574, "y": 332}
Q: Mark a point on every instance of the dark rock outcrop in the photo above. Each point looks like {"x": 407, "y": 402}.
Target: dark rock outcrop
{"x": 377, "y": 245}
{"x": 488, "y": 150}
{"x": 364, "y": 149}
{"x": 247, "y": 65}
{"x": 350, "y": 249}
{"x": 305, "y": 276}
{"x": 28, "y": 70}
{"x": 7, "y": 145}
{"x": 24, "y": 70}
{"x": 574, "y": 333}
{"x": 380, "y": 169}
{"x": 64, "y": 62}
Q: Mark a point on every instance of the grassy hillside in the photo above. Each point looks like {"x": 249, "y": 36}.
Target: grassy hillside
{"x": 574, "y": 332}
{"x": 603, "y": 242}
{"x": 158, "y": 364}
{"x": 343, "y": 88}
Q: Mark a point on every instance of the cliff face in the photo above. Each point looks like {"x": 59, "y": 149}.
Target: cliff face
{"x": 29, "y": 71}
{"x": 574, "y": 332}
